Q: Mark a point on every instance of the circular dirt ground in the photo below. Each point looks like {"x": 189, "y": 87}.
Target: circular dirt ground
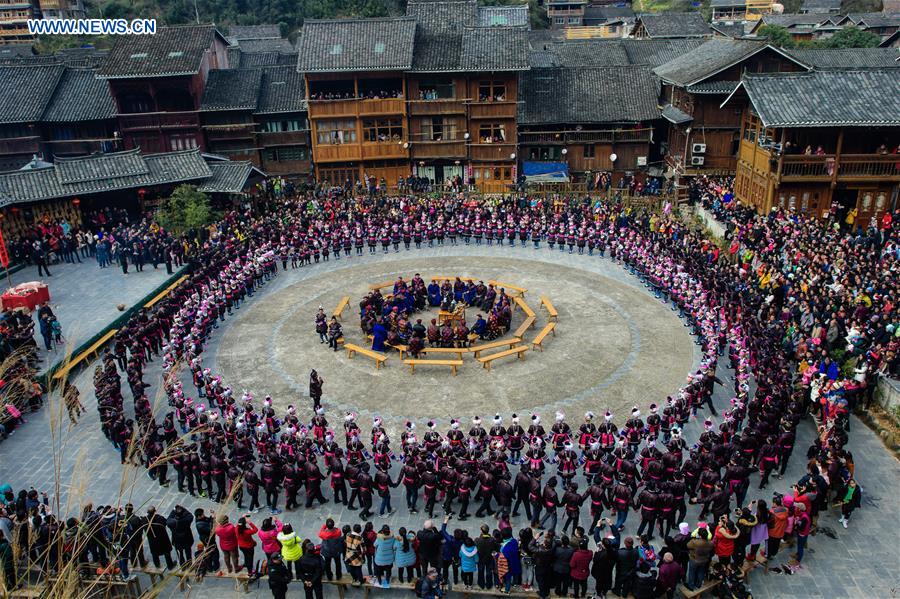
{"x": 616, "y": 345}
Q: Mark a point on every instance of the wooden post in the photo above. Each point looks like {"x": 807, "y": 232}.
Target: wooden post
{"x": 837, "y": 157}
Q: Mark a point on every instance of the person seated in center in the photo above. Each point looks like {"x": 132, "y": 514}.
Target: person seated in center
{"x": 379, "y": 335}
{"x": 480, "y": 326}
{"x": 434, "y": 294}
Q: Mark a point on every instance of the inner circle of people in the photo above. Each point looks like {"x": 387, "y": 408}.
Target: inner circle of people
{"x": 235, "y": 446}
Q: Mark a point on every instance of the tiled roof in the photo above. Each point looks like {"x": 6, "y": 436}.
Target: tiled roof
{"x": 727, "y": 3}
{"x": 236, "y": 33}
{"x": 733, "y": 29}
{"x": 712, "y": 87}
{"x": 26, "y": 92}
{"x": 231, "y": 89}
{"x": 607, "y": 52}
{"x": 655, "y": 52}
{"x": 268, "y": 45}
{"x": 16, "y": 51}
{"x": 283, "y": 90}
{"x": 172, "y": 51}
{"x": 102, "y": 173}
{"x": 357, "y": 45}
{"x": 589, "y": 53}
{"x": 443, "y": 16}
{"x": 80, "y": 96}
{"x": 675, "y": 115}
{"x": 437, "y": 53}
{"x": 228, "y": 177}
{"x": 792, "y": 20}
{"x": 820, "y": 6}
{"x": 588, "y": 95}
{"x": 503, "y": 16}
{"x": 494, "y": 49}
{"x": 596, "y": 15}
{"x": 875, "y": 19}
{"x": 847, "y": 58}
{"x": 245, "y": 60}
{"x": 707, "y": 59}
{"x": 826, "y": 98}
{"x": 675, "y": 24}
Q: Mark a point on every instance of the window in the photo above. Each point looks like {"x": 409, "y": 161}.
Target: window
{"x": 182, "y": 142}
{"x": 281, "y": 126}
{"x": 492, "y": 133}
{"x": 491, "y": 91}
{"x": 436, "y": 89}
{"x": 336, "y": 132}
{"x": 62, "y": 132}
{"x": 285, "y": 154}
{"x": 613, "y": 29}
{"x": 559, "y": 20}
{"x": 382, "y": 130}
{"x": 438, "y": 128}
{"x": 590, "y": 151}
{"x": 574, "y": 20}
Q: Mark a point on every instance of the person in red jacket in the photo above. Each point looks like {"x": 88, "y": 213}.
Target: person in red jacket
{"x": 245, "y": 541}
{"x": 227, "y": 534}
{"x": 580, "y": 568}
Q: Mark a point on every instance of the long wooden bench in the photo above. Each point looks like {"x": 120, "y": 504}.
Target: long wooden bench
{"x": 513, "y": 290}
{"x": 355, "y": 349}
{"x": 93, "y": 350}
{"x": 525, "y": 307}
{"x": 538, "y": 341}
{"x": 383, "y": 285}
{"x": 518, "y": 350}
{"x": 552, "y": 314}
{"x": 159, "y": 296}
{"x": 342, "y": 584}
{"x": 459, "y": 351}
{"x": 706, "y": 587}
{"x": 477, "y": 349}
{"x": 453, "y": 364}
{"x": 402, "y": 349}
{"x": 342, "y": 305}
{"x": 526, "y": 324}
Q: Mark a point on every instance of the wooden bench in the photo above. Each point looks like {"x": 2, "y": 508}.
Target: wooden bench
{"x": 159, "y": 296}
{"x": 477, "y": 349}
{"x": 155, "y": 574}
{"x": 241, "y": 580}
{"x": 342, "y": 305}
{"x": 513, "y": 290}
{"x": 444, "y": 316}
{"x": 524, "y": 306}
{"x": 93, "y": 350}
{"x": 355, "y": 349}
{"x": 453, "y": 364}
{"x": 452, "y": 279}
{"x": 398, "y": 346}
{"x": 518, "y": 350}
{"x": 343, "y": 583}
{"x": 29, "y": 592}
{"x": 526, "y": 324}
{"x": 704, "y": 588}
{"x": 382, "y": 285}
{"x": 552, "y": 314}
{"x": 459, "y": 351}
{"x": 539, "y": 340}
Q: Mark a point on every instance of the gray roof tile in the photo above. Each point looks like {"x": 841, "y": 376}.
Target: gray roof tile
{"x": 826, "y": 98}
{"x": 228, "y": 177}
{"x": 847, "y": 58}
{"x": 97, "y": 174}
{"x": 675, "y": 115}
{"x": 588, "y": 95}
{"x": 442, "y": 17}
{"x": 503, "y": 16}
{"x": 283, "y": 90}
{"x": 655, "y": 52}
{"x": 80, "y": 96}
{"x": 231, "y": 89}
{"x": 675, "y": 24}
{"x": 357, "y": 45}
{"x": 280, "y": 45}
{"x": 172, "y": 51}
{"x": 26, "y": 91}
{"x": 707, "y": 59}
{"x": 237, "y": 33}
{"x": 494, "y": 49}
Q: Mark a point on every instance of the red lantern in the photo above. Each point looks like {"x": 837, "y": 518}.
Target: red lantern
{"x": 15, "y": 210}
{"x": 76, "y": 202}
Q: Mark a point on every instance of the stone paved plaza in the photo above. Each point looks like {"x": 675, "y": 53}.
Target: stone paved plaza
{"x": 617, "y": 345}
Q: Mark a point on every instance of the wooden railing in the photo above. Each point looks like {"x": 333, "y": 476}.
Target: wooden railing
{"x": 72, "y": 147}
{"x": 845, "y": 167}
{"x": 283, "y": 138}
{"x": 597, "y": 136}
{"x": 439, "y": 149}
{"x": 331, "y": 108}
{"x": 20, "y": 145}
{"x": 336, "y": 153}
{"x": 159, "y": 120}
{"x": 498, "y": 151}
{"x": 381, "y": 151}
{"x": 492, "y": 110}
{"x": 425, "y": 107}
{"x": 382, "y": 106}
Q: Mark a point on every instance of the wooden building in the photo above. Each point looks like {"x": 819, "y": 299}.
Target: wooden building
{"x": 671, "y": 25}
{"x": 24, "y": 96}
{"x": 703, "y": 135}
{"x": 81, "y": 117}
{"x": 809, "y": 140}
{"x": 431, "y": 94}
{"x": 157, "y": 82}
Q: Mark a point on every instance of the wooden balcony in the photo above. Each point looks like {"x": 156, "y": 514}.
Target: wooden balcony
{"x": 332, "y": 108}
{"x": 283, "y": 138}
{"x": 75, "y": 147}
{"x": 384, "y": 151}
{"x": 385, "y": 106}
{"x": 159, "y": 120}
{"x": 228, "y": 132}
{"x": 849, "y": 167}
{"x": 582, "y": 137}
{"x": 492, "y": 110}
{"x": 492, "y": 152}
{"x": 287, "y": 167}
{"x": 435, "y": 107}
{"x": 20, "y": 145}
{"x": 336, "y": 153}
{"x": 438, "y": 149}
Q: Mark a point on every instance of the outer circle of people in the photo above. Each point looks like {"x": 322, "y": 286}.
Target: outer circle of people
{"x": 236, "y": 446}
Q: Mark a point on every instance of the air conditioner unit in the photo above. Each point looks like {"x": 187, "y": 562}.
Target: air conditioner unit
{"x": 698, "y": 148}
{"x": 697, "y": 160}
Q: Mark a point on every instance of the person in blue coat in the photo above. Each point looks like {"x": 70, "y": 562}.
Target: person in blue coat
{"x": 468, "y": 561}
{"x": 379, "y": 334}
{"x": 480, "y": 326}
{"x": 434, "y": 294}
{"x": 450, "y": 552}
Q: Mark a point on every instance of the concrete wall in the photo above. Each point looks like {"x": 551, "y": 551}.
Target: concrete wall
{"x": 888, "y": 395}
{"x": 709, "y": 221}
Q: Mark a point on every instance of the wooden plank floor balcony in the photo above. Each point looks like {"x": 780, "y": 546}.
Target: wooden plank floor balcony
{"x": 849, "y": 167}
{"x": 492, "y": 110}
{"x": 384, "y": 151}
{"x": 429, "y": 107}
{"x": 159, "y": 120}
{"x": 20, "y": 145}
{"x": 438, "y": 149}
{"x": 491, "y": 152}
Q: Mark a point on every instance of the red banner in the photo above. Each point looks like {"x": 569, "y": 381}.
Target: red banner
{"x": 4, "y": 255}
